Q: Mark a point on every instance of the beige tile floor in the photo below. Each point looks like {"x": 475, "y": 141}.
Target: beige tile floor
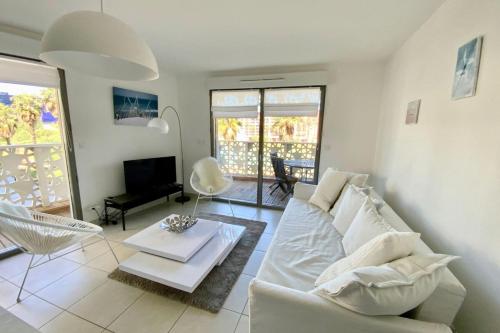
{"x": 74, "y": 294}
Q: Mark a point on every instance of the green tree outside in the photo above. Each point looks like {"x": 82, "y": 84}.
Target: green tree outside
{"x": 29, "y": 109}
{"x": 285, "y": 127}
{"x": 8, "y": 123}
{"x": 20, "y": 122}
{"x": 228, "y": 128}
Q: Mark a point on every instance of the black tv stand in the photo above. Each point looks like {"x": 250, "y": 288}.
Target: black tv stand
{"x": 126, "y": 201}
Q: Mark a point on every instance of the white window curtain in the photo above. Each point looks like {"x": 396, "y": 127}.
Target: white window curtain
{"x": 298, "y": 102}
{"x": 28, "y": 73}
{"x": 235, "y": 104}
{"x": 291, "y": 110}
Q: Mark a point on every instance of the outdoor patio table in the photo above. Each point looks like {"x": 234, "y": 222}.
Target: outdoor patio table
{"x": 306, "y": 165}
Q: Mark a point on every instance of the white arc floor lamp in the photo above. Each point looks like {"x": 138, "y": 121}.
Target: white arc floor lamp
{"x": 162, "y": 125}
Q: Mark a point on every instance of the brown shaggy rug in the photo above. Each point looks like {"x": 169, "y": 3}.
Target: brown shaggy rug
{"x": 213, "y": 290}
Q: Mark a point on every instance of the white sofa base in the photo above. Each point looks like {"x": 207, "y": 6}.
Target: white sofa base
{"x": 305, "y": 243}
{"x": 277, "y": 309}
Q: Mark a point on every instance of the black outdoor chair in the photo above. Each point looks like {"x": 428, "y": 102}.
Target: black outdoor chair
{"x": 282, "y": 180}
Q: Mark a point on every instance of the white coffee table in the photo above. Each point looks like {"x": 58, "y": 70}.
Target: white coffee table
{"x": 183, "y": 260}
{"x": 180, "y": 247}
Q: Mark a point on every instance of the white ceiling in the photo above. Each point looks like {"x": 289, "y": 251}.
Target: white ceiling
{"x": 219, "y": 35}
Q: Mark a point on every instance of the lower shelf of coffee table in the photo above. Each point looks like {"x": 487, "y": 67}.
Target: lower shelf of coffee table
{"x": 188, "y": 275}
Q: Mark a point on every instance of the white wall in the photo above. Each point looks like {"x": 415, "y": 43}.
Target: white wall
{"x": 443, "y": 174}
{"x": 350, "y": 119}
{"x": 194, "y": 111}
{"x": 351, "y": 115}
{"x": 100, "y": 146}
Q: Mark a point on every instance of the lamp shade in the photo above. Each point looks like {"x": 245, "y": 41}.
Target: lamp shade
{"x": 159, "y": 123}
{"x": 98, "y": 44}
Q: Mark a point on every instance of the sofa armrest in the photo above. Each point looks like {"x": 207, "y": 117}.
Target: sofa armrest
{"x": 279, "y": 309}
{"x": 303, "y": 191}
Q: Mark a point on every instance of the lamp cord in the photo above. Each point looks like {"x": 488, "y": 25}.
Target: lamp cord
{"x": 102, "y": 11}
{"x": 180, "y": 136}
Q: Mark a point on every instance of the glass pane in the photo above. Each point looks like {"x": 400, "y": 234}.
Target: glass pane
{"x": 29, "y": 114}
{"x": 237, "y": 144}
{"x": 32, "y": 155}
{"x": 293, "y": 141}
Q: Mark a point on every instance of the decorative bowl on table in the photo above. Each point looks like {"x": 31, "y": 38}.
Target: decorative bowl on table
{"x": 178, "y": 223}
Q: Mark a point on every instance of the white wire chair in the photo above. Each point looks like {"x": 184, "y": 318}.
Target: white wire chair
{"x": 45, "y": 234}
{"x": 209, "y": 193}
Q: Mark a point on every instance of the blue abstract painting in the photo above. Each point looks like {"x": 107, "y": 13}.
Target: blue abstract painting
{"x": 467, "y": 68}
{"x": 134, "y": 108}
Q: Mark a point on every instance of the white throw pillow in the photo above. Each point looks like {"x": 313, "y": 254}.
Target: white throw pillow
{"x": 389, "y": 289}
{"x": 380, "y": 250}
{"x": 211, "y": 177}
{"x": 351, "y": 203}
{"x": 367, "y": 224}
{"x": 357, "y": 179}
{"x": 328, "y": 189}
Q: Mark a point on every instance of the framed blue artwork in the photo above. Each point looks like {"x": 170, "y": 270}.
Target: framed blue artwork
{"x": 467, "y": 69}
{"x": 133, "y": 108}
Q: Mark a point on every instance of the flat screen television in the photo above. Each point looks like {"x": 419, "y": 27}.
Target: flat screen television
{"x": 151, "y": 175}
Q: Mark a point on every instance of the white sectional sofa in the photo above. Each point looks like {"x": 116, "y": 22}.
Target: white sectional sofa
{"x": 306, "y": 243}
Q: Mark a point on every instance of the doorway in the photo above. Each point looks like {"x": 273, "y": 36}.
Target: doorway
{"x": 34, "y": 152}
{"x": 267, "y": 140}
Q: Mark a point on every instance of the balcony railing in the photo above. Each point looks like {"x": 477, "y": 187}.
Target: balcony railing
{"x": 33, "y": 175}
{"x": 240, "y": 158}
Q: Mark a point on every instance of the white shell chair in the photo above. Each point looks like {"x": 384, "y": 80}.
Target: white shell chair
{"x": 44, "y": 234}
{"x": 212, "y": 181}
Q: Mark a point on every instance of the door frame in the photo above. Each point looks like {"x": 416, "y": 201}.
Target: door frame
{"x": 74, "y": 186}
{"x": 260, "y": 155}
{"x": 76, "y": 203}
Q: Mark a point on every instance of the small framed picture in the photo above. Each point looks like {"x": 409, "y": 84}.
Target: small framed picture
{"x": 412, "y": 112}
{"x": 467, "y": 69}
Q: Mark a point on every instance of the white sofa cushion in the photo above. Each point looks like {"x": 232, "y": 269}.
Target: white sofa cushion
{"x": 328, "y": 189}
{"x": 303, "y": 191}
{"x": 380, "y": 250}
{"x": 348, "y": 208}
{"x": 389, "y": 289}
{"x": 304, "y": 244}
{"x": 366, "y": 225}
{"x": 357, "y": 179}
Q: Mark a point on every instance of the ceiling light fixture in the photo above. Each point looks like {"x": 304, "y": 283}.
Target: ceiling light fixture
{"x": 98, "y": 44}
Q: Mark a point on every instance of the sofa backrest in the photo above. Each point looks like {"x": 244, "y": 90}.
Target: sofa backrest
{"x": 443, "y": 305}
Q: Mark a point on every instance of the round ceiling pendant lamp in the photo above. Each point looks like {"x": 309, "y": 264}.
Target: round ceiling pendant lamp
{"x": 98, "y": 44}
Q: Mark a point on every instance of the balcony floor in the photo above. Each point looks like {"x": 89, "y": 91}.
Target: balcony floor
{"x": 246, "y": 190}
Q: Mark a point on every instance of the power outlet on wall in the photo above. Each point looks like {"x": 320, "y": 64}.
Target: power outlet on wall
{"x": 96, "y": 208}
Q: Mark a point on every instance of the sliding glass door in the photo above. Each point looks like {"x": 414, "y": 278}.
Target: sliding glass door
{"x": 267, "y": 139}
